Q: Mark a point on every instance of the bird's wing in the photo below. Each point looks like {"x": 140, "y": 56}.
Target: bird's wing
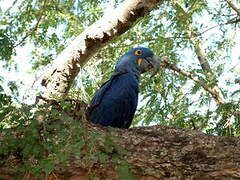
{"x": 115, "y": 102}
{"x": 100, "y": 93}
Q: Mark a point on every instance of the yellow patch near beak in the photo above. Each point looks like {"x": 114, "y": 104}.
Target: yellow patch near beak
{"x": 139, "y": 61}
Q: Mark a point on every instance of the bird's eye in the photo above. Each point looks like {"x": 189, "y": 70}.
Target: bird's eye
{"x": 138, "y": 52}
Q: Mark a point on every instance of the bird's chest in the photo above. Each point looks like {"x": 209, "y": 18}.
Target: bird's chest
{"x": 124, "y": 88}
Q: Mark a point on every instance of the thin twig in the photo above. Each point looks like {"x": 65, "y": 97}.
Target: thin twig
{"x": 232, "y": 21}
{"x": 173, "y": 67}
{"x": 202, "y": 83}
{"x": 35, "y": 27}
{"x": 12, "y": 5}
{"x": 193, "y": 124}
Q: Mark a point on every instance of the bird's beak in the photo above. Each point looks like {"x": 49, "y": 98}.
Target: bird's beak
{"x": 154, "y": 64}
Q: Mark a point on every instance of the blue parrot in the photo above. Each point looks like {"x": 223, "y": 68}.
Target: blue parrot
{"x": 115, "y": 103}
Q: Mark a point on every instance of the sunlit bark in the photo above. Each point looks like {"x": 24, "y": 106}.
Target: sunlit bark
{"x": 65, "y": 68}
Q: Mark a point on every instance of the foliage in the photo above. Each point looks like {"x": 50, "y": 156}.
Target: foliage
{"x": 62, "y": 134}
{"x": 125, "y": 173}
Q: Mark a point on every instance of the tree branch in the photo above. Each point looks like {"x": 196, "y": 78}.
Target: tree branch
{"x": 232, "y": 21}
{"x": 66, "y": 66}
{"x": 204, "y": 84}
{"x": 233, "y": 6}
{"x": 210, "y": 76}
{"x": 34, "y": 29}
{"x": 156, "y": 152}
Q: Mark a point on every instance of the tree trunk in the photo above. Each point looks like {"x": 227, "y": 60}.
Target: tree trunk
{"x": 66, "y": 66}
{"x": 156, "y": 152}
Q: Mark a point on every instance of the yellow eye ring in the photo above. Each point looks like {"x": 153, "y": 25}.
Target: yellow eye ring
{"x": 138, "y": 52}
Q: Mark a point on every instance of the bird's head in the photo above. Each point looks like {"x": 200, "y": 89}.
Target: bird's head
{"x": 137, "y": 61}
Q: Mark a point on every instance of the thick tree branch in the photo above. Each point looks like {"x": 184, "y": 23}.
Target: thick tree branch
{"x": 233, "y": 6}
{"x": 154, "y": 153}
{"x": 66, "y": 66}
{"x": 201, "y": 56}
{"x": 210, "y": 76}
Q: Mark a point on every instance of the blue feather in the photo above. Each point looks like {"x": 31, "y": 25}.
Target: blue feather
{"x": 115, "y": 103}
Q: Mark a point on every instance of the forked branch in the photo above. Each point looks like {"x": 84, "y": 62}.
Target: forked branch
{"x": 212, "y": 90}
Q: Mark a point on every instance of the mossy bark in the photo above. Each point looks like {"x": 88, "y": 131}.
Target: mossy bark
{"x": 156, "y": 152}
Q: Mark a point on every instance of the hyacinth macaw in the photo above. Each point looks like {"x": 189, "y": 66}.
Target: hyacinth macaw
{"x": 115, "y": 103}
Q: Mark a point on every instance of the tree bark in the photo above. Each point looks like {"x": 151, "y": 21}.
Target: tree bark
{"x": 210, "y": 76}
{"x": 66, "y": 66}
{"x": 156, "y": 152}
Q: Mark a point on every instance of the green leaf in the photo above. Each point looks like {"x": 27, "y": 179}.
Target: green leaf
{"x": 124, "y": 172}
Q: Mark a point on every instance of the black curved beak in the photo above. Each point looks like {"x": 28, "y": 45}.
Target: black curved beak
{"x": 154, "y": 64}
